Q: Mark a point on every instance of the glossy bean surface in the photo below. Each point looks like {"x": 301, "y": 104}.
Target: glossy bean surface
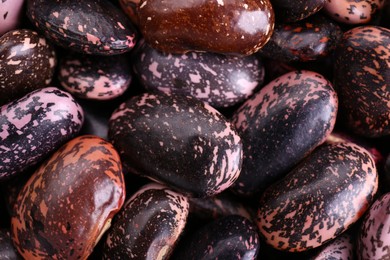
{"x": 361, "y": 75}
{"x": 177, "y": 140}
{"x": 34, "y": 126}
{"x": 374, "y": 237}
{"x": 95, "y": 77}
{"x": 230, "y": 237}
{"x": 10, "y": 15}
{"x": 149, "y": 225}
{"x": 320, "y": 199}
{"x": 69, "y": 202}
{"x": 89, "y": 26}
{"x": 178, "y": 26}
{"x": 219, "y": 80}
{"x": 280, "y": 125}
{"x": 27, "y": 63}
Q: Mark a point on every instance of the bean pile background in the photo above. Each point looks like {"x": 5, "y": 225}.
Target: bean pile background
{"x": 134, "y": 129}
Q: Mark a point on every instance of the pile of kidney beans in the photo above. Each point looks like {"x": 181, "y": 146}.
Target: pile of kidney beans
{"x": 189, "y": 129}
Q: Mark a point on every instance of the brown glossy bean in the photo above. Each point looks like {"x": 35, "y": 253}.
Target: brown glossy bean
{"x": 69, "y": 202}
{"x": 223, "y": 26}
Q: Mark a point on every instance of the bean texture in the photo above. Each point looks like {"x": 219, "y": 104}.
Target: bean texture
{"x": 69, "y": 202}
{"x": 177, "y": 140}
{"x": 34, "y": 126}
{"x": 320, "y": 199}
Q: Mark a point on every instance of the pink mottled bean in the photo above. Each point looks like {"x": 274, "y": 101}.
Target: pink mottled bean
{"x": 34, "y": 126}
{"x": 149, "y": 225}
{"x": 320, "y": 199}
{"x": 374, "y": 237}
{"x": 177, "y": 140}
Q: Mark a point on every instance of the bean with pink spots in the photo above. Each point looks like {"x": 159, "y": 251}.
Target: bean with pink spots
{"x": 95, "y": 77}
{"x": 280, "y": 125}
{"x": 34, "y": 126}
{"x": 149, "y": 226}
{"x": 374, "y": 237}
{"x": 27, "y": 62}
{"x": 320, "y": 199}
{"x": 177, "y": 140}
{"x": 362, "y": 76}
{"x": 88, "y": 26}
{"x": 342, "y": 248}
{"x": 220, "y": 80}
{"x": 353, "y": 11}
{"x": 69, "y": 202}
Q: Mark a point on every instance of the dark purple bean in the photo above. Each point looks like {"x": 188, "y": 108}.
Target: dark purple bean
{"x": 177, "y": 140}
{"x": 149, "y": 225}
{"x": 220, "y": 80}
{"x": 320, "y": 199}
{"x": 27, "y": 63}
{"x": 361, "y": 76}
{"x": 280, "y": 125}
{"x": 34, "y": 126}
{"x": 307, "y": 40}
{"x": 7, "y": 250}
{"x": 95, "y": 77}
{"x": 88, "y": 26}
{"x": 231, "y": 237}
{"x": 130, "y": 8}
{"x": 293, "y": 10}
{"x": 218, "y": 206}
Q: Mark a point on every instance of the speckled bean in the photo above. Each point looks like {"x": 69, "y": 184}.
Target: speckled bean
{"x": 320, "y": 199}
{"x": 177, "y": 140}
{"x": 34, "y": 126}
{"x": 220, "y": 80}
{"x": 280, "y": 125}
{"x": 68, "y": 203}
{"x": 352, "y": 12}
{"x": 149, "y": 225}
{"x": 374, "y": 237}
{"x": 309, "y": 200}
{"x": 95, "y": 77}
{"x": 361, "y": 75}
{"x": 341, "y": 248}
{"x": 27, "y": 63}
{"x": 88, "y": 26}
